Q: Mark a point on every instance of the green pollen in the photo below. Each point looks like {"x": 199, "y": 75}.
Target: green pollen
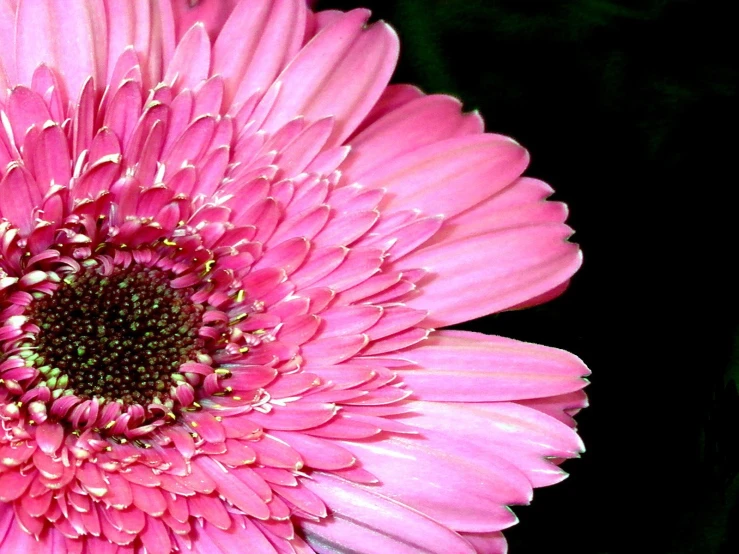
{"x": 119, "y": 337}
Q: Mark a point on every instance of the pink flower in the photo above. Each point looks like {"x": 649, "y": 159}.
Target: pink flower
{"x": 223, "y": 259}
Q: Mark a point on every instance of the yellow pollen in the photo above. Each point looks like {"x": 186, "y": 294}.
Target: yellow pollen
{"x": 169, "y": 242}
{"x": 238, "y": 318}
{"x": 240, "y": 295}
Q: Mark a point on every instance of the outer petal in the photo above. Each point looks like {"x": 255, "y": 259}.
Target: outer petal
{"x": 523, "y": 436}
{"x": 523, "y": 202}
{"x": 423, "y": 121}
{"x": 256, "y": 43}
{"x": 212, "y": 13}
{"x": 366, "y": 521}
{"x": 340, "y": 73}
{"x": 460, "y": 366}
{"x": 562, "y": 407}
{"x": 481, "y": 492}
{"x": 42, "y": 36}
{"x": 446, "y": 177}
{"x": 515, "y": 264}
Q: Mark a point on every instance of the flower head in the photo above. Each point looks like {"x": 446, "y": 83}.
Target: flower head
{"x": 225, "y": 249}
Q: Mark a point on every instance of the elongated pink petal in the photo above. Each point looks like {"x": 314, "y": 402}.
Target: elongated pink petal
{"x": 366, "y": 521}
{"x": 212, "y": 13}
{"x": 497, "y": 429}
{"x": 191, "y": 61}
{"x": 500, "y": 259}
{"x": 423, "y": 121}
{"x": 40, "y": 30}
{"x": 354, "y": 66}
{"x": 399, "y": 462}
{"x": 256, "y": 43}
{"x": 449, "y": 176}
{"x": 458, "y": 366}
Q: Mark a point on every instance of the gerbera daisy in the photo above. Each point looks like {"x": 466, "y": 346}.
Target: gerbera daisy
{"x": 226, "y": 249}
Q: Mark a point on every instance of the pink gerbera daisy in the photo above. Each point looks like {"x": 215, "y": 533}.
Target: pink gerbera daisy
{"x": 225, "y": 251}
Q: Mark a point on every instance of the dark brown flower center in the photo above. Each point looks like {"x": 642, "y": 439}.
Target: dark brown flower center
{"x": 118, "y": 337}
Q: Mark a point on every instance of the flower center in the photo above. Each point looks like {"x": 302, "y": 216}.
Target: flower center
{"x": 118, "y": 337}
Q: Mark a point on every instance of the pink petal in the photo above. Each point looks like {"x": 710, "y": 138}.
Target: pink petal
{"x": 256, "y": 42}
{"x": 20, "y": 196}
{"x": 7, "y": 56}
{"x": 332, "y": 350}
{"x": 213, "y": 14}
{"x": 316, "y": 452}
{"x": 26, "y": 108}
{"x": 418, "y": 123}
{"x": 208, "y": 539}
{"x": 460, "y": 366}
{"x": 523, "y": 436}
{"x": 482, "y": 488}
{"x": 191, "y": 62}
{"x": 561, "y": 407}
{"x": 42, "y": 29}
{"x": 449, "y": 176}
{"x": 155, "y": 537}
{"x": 523, "y": 202}
{"x": 294, "y": 416}
{"x": 514, "y": 264}
{"x": 364, "y": 521}
{"x": 392, "y": 98}
{"x": 340, "y": 73}
{"x": 490, "y": 543}
{"x": 49, "y": 437}
{"x": 341, "y": 320}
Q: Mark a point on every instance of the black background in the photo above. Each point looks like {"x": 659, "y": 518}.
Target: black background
{"x": 627, "y": 108}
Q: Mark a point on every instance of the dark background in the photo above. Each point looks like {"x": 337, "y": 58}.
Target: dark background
{"x": 627, "y": 108}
